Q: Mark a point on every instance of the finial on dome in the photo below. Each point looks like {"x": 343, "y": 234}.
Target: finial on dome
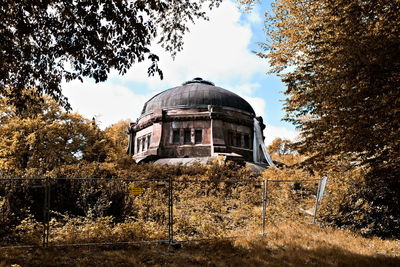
{"x": 198, "y": 80}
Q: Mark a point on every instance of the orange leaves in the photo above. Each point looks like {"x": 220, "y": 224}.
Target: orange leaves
{"x": 46, "y": 137}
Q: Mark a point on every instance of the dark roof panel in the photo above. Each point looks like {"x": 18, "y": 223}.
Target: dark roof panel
{"x": 196, "y": 93}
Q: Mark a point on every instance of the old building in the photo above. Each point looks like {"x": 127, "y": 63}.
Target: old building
{"x": 197, "y": 120}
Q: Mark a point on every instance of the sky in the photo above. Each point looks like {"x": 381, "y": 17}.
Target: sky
{"x": 220, "y": 50}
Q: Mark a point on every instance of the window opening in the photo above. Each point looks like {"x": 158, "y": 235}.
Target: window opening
{"x": 137, "y": 145}
{"x": 187, "y": 136}
{"x": 143, "y": 144}
{"x": 246, "y": 141}
{"x": 238, "y": 140}
{"x": 175, "y": 137}
{"x": 230, "y": 138}
{"x": 198, "y": 136}
{"x": 148, "y": 141}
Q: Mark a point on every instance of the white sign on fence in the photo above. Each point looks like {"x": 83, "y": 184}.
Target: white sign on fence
{"x": 321, "y": 188}
{"x": 320, "y": 194}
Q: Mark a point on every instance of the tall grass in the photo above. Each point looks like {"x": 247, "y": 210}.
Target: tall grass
{"x": 290, "y": 243}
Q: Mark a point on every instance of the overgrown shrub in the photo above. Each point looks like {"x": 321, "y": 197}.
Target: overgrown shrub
{"x": 290, "y": 200}
{"x": 204, "y": 205}
{"x": 364, "y": 200}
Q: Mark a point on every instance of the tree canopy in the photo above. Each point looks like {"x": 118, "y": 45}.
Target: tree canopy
{"x": 43, "y": 42}
{"x": 46, "y": 137}
{"x": 117, "y": 136}
{"x": 340, "y": 61}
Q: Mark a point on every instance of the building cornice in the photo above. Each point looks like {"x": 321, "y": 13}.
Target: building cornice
{"x": 218, "y": 115}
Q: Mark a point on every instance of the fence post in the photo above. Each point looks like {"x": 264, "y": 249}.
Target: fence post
{"x": 264, "y": 204}
{"x": 44, "y": 215}
{"x": 48, "y": 211}
{"x": 46, "y": 208}
{"x": 170, "y": 212}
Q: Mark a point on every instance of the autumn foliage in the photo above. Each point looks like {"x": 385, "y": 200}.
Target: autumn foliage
{"x": 340, "y": 63}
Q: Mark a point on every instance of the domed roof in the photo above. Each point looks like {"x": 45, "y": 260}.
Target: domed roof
{"x": 196, "y": 93}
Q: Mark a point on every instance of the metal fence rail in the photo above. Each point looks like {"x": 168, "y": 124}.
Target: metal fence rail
{"x": 47, "y": 185}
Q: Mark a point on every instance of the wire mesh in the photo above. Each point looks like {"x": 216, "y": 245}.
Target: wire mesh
{"x": 89, "y": 211}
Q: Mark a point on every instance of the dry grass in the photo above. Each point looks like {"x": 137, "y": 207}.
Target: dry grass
{"x": 288, "y": 244}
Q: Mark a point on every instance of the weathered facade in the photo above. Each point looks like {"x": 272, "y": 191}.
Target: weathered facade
{"x": 195, "y": 120}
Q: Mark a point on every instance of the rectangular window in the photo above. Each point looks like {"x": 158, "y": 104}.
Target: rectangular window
{"x": 148, "y": 141}
{"x": 138, "y": 145}
{"x": 175, "y": 137}
{"x": 238, "y": 140}
{"x": 187, "y": 136}
{"x": 198, "y": 136}
{"x": 143, "y": 144}
{"x": 230, "y": 138}
{"x": 246, "y": 141}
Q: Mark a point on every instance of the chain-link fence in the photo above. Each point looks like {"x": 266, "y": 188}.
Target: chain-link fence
{"x": 84, "y": 211}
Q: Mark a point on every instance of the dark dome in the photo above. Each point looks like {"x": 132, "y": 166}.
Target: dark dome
{"x": 196, "y": 93}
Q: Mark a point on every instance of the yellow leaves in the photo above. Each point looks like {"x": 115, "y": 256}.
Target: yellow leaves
{"x": 117, "y": 138}
{"x": 344, "y": 96}
{"x": 29, "y": 230}
{"x": 30, "y": 139}
{"x": 46, "y": 137}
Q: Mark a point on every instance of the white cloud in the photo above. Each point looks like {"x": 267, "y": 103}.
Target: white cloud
{"x": 257, "y": 103}
{"x": 245, "y": 88}
{"x": 271, "y": 132}
{"x": 107, "y": 101}
{"x": 216, "y": 50}
{"x": 254, "y": 15}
